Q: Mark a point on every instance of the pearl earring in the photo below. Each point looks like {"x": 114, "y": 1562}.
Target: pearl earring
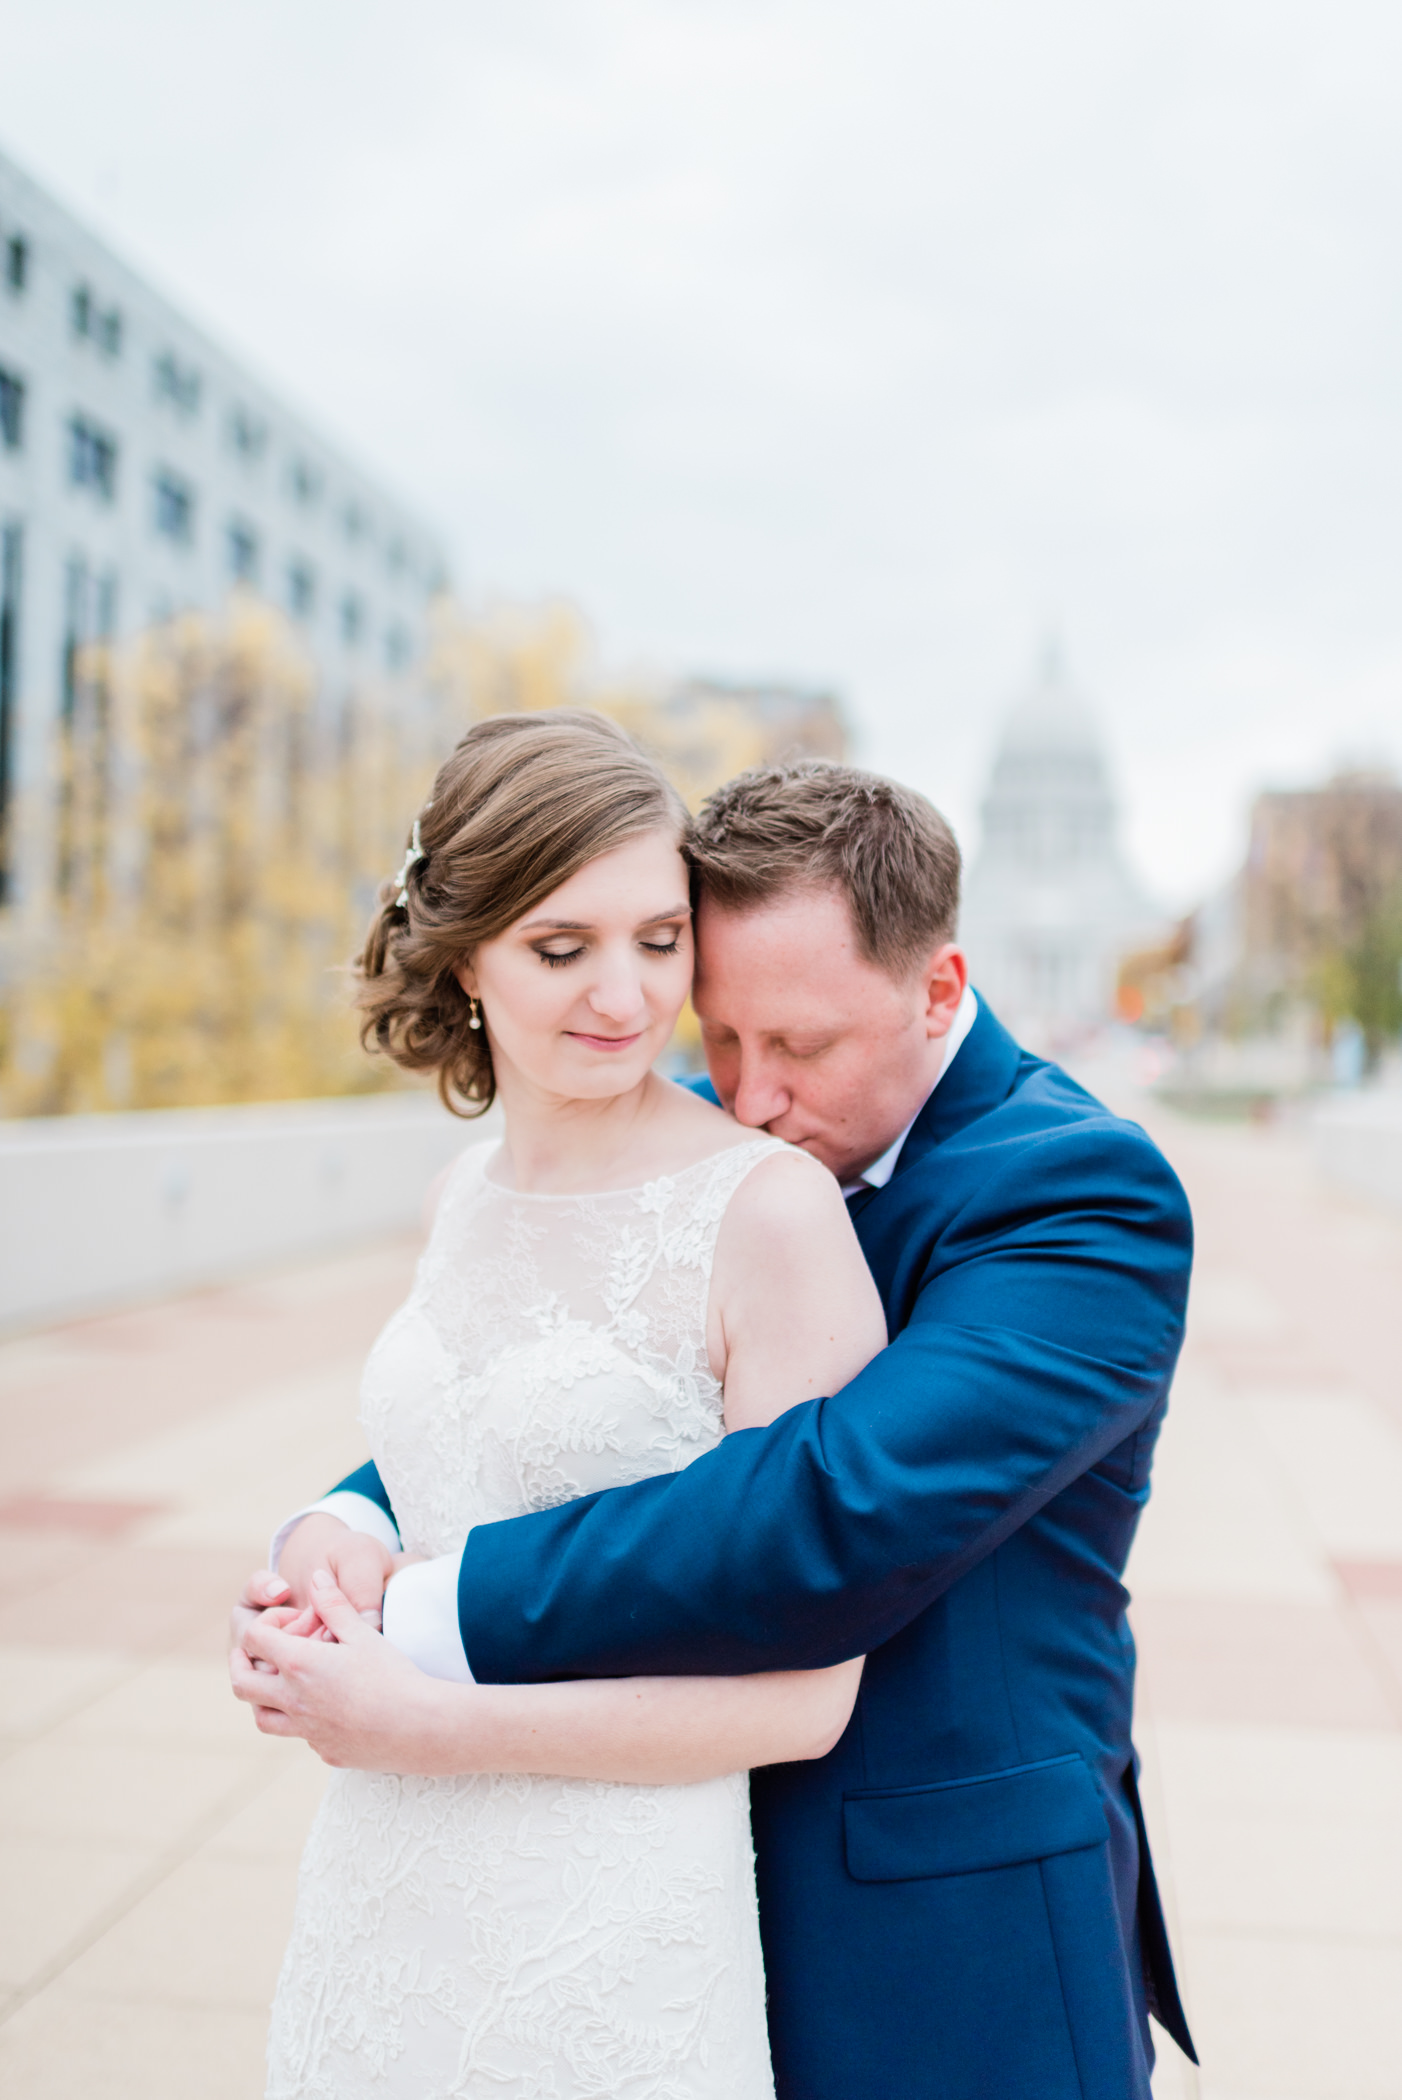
{"x": 474, "y": 1012}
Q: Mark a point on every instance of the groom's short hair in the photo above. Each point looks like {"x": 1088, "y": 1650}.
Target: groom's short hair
{"x": 814, "y": 824}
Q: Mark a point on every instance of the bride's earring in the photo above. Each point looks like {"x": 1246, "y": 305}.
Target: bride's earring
{"x": 474, "y": 1012}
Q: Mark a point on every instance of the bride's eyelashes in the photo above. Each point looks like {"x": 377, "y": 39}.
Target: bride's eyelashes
{"x": 557, "y": 959}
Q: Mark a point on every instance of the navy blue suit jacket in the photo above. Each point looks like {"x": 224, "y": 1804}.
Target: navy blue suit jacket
{"x": 958, "y": 1902}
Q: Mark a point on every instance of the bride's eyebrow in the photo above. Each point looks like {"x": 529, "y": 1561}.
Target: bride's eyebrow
{"x": 676, "y": 911}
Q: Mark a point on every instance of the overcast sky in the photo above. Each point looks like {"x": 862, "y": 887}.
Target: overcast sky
{"x": 859, "y": 343}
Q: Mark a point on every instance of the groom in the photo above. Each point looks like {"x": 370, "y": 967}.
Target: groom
{"x": 958, "y": 1902}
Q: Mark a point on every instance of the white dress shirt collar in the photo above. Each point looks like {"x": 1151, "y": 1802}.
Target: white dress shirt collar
{"x": 880, "y": 1171}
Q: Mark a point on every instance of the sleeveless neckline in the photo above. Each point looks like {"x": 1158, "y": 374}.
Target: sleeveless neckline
{"x": 636, "y": 1188}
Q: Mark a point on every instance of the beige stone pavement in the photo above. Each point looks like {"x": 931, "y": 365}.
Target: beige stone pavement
{"x": 149, "y": 1837}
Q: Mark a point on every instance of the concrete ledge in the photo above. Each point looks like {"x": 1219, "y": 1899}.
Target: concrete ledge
{"x": 95, "y": 1210}
{"x": 1358, "y": 1140}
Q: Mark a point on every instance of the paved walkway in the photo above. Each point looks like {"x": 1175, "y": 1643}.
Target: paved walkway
{"x": 149, "y": 1837}
{"x": 1268, "y": 1608}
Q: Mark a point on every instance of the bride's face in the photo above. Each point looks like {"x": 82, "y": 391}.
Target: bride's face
{"x": 580, "y": 997}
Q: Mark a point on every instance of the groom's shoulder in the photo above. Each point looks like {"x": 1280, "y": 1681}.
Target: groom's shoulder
{"x": 1052, "y": 1128}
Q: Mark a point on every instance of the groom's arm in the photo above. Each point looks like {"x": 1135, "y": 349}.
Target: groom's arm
{"x": 1044, "y": 1343}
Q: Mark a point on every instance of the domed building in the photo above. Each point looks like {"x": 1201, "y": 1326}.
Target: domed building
{"x": 1050, "y": 905}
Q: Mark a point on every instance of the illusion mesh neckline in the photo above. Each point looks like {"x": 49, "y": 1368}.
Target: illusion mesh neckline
{"x": 634, "y": 1189}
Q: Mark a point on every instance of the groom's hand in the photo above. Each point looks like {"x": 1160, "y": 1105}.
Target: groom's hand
{"x": 361, "y": 1567}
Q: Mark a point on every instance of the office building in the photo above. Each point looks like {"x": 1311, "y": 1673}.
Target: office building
{"x": 144, "y": 472}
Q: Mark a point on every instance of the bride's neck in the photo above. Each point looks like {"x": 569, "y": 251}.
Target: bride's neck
{"x": 554, "y": 1144}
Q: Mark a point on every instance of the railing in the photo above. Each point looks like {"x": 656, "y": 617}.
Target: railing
{"x": 97, "y": 1210}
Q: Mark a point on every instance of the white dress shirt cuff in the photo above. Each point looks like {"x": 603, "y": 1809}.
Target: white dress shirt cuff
{"x": 356, "y": 1512}
{"x": 421, "y": 1618}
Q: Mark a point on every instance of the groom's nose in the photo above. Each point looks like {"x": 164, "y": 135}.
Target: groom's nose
{"x": 760, "y": 1095}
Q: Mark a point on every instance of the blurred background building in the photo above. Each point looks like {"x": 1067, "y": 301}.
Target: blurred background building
{"x": 144, "y": 474}
{"x": 1290, "y": 975}
{"x": 1051, "y": 906}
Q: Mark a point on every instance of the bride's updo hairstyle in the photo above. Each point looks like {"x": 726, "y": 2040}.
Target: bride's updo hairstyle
{"x": 524, "y": 802}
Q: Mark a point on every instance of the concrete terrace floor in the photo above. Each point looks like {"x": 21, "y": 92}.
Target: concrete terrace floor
{"x": 149, "y": 1837}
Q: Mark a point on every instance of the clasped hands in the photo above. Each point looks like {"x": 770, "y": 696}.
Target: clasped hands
{"x": 307, "y": 1655}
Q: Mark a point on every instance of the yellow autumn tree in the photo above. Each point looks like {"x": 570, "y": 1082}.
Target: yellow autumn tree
{"x": 220, "y": 831}
{"x": 216, "y": 854}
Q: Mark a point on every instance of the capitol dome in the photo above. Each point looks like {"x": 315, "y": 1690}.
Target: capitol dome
{"x": 1051, "y": 906}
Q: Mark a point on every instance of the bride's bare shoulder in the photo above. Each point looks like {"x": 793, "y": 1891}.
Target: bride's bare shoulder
{"x": 698, "y": 1124}
{"x": 789, "y": 1194}
{"x": 794, "y": 1311}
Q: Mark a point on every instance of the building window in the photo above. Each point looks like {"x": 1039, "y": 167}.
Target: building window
{"x": 397, "y": 648}
{"x": 85, "y": 718}
{"x": 104, "y": 328}
{"x": 354, "y": 522}
{"x": 304, "y": 481}
{"x": 9, "y": 682}
{"x": 174, "y": 507}
{"x": 301, "y": 589}
{"x": 92, "y": 458}
{"x": 179, "y": 384}
{"x": 352, "y": 620}
{"x": 17, "y": 262}
{"x": 241, "y": 546}
{"x": 11, "y": 411}
{"x": 248, "y": 434}
{"x": 396, "y": 556}
{"x": 105, "y": 606}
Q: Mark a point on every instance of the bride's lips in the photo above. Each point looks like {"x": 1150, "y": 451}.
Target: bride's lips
{"x": 604, "y": 1042}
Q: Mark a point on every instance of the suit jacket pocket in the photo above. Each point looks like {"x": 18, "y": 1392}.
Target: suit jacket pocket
{"x": 967, "y": 1826}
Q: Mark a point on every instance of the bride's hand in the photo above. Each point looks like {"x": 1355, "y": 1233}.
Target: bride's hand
{"x": 353, "y": 1697}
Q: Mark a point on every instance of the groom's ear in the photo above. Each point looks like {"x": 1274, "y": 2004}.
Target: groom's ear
{"x": 944, "y": 980}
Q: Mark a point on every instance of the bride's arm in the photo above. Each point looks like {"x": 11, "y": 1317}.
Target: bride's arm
{"x": 794, "y": 1311}
{"x": 358, "y": 1702}
{"x": 652, "y": 1731}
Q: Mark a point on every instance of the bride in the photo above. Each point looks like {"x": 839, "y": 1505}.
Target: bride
{"x": 544, "y": 1892}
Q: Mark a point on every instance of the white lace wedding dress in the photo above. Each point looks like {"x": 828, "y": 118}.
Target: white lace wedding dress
{"x": 534, "y": 1938}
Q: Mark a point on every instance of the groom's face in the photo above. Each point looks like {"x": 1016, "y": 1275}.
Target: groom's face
{"x": 806, "y": 1038}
